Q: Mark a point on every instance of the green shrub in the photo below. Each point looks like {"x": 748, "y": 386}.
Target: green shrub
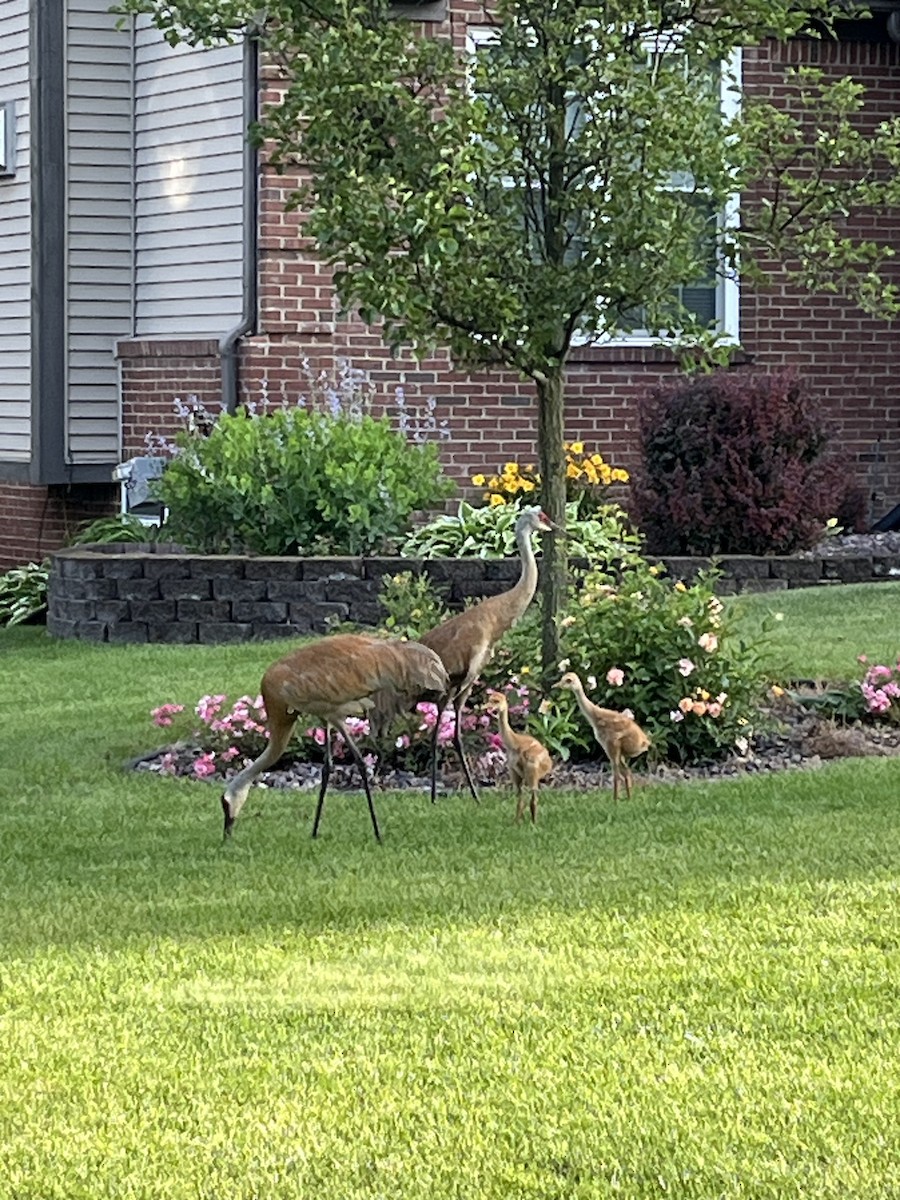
{"x": 298, "y": 481}
{"x": 411, "y": 603}
{"x": 23, "y": 592}
{"x": 122, "y": 527}
{"x": 490, "y": 533}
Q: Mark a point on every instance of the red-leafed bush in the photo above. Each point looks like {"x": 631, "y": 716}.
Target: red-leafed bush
{"x": 739, "y": 464}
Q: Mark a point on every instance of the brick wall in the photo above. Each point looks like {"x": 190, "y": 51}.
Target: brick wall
{"x": 37, "y": 520}
{"x": 847, "y": 358}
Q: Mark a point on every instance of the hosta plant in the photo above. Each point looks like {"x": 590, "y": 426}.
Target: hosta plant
{"x": 23, "y": 592}
{"x": 489, "y": 532}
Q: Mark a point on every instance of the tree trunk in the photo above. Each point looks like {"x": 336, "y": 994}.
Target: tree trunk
{"x": 552, "y": 457}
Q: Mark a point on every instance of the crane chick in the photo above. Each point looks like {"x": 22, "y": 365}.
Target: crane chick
{"x": 620, "y": 736}
{"x": 527, "y": 759}
{"x": 332, "y": 678}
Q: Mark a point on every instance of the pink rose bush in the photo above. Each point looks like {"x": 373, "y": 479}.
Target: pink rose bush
{"x": 218, "y": 739}
{"x": 880, "y": 690}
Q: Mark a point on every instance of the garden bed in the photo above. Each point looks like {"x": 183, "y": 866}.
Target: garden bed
{"x": 155, "y": 592}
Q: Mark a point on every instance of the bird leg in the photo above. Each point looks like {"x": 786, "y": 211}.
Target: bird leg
{"x": 533, "y": 806}
{"x": 458, "y": 746}
{"x": 326, "y": 774}
{"x": 364, "y": 773}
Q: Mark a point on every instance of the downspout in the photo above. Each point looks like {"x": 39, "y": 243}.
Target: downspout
{"x": 228, "y": 343}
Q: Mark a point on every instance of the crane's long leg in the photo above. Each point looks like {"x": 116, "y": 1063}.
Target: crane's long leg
{"x": 441, "y": 708}
{"x": 361, "y": 764}
{"x": 457, "y": 742}
{"x": 326, "y": 774}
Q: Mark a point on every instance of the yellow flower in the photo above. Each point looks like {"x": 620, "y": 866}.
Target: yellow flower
{"x": 577, "y": 447}
{"x": 597, "y": 460}
{"x": 776, "y": 690}
{"x": 525, "y": 671}
{"x": 493, "y": 482}
{"x": 495, "y": 500}
{"x": 620, "y": 475}
{"x": 654, "y": 570}
{"x": 526, "y": 485}
{"x": 510, "y": 468}
{"x": 573, "y": 472}
{"x": 479, "y": 480}
{"x": 679, "y": 587}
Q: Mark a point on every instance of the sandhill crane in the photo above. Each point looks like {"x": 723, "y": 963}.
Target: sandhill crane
{"x": 527, "y": 759}
{"x": 620, "y": 736}
{"x": 332, "y": 678}
{"x": 465, "y": 642}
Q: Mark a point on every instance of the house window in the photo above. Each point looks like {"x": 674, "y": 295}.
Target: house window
{"x": 713, "y": 298}
{"x": 7, "y": 137}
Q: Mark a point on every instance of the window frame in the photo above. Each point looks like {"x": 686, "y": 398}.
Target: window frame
{"x": 7, "y": 139}
{"x": 727, "y": 290}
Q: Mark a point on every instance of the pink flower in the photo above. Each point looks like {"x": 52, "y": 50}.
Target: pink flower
{"x": 168, "y": 764}
{"x": 229, "y": 754}
{"x": 204, "y": 766}
{"x": 163, "y": 715}
{"x": 615, "y": 677}
{"x": 317, "y": 735}
{"x": 714, "y": 709}
{"x": 685, "y": 666}
{"x": 707, "y": 642}
{"x": 495, "y": 741}
{"x": 698, "y": 708}
{"x": 402, "y": 741}
{"x": 676, "y": 715}
{"x": 685, "y": 704}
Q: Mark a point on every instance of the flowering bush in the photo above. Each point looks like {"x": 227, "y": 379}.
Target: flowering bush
{"x": 880, "y": 689}
{"x": 588, "y": 477}
{"x": 218, "y": 740}
{"x": 667, "y": 652}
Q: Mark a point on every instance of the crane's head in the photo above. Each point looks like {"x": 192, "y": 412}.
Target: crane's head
{"x": 534, "y": 520}
{"x": 497, "y": 700}
{"x": 569, "y": 681}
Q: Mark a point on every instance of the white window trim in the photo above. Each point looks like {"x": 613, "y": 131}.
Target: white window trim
{"x": 728, "y": 289}
{"x": 7, "y": 138}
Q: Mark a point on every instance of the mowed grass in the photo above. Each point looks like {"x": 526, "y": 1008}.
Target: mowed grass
{"x": 693, "y": 995}
{"x": 817, "y": 633}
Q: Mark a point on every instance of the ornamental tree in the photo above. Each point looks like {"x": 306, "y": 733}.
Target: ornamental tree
{"x": 568, "y": 178}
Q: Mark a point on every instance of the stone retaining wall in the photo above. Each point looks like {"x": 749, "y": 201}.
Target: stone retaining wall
{"x": 155, "y": 592}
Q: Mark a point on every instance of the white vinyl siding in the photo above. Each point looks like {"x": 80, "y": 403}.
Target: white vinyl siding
{"x": 189, "y": 137}
{"x": 15, "y": 244}
{"x": 99, "y": 225}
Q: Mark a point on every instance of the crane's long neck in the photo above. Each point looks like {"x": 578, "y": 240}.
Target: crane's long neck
{"x": 506, "y": 733}
{"x": 522, "y": 593}
{"x": 583, "y": 703}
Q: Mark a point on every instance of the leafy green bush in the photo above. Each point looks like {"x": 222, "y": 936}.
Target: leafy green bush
{"x": 122, "y": 527}
{"x": 23, "y": 592}
{"x": 490, "y": 533}
{"x": 298, "y": 481}
{"x": 411, "y": 603}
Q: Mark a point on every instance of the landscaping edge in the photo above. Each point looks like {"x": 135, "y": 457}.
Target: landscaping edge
{"x": 156, "y": 592}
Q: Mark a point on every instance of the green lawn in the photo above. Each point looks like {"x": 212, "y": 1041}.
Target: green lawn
{"x": 817, "y": 633}
{"x": 692, "y": 996}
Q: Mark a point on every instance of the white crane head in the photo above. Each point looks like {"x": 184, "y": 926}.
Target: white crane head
{"x": 534, "y": 520}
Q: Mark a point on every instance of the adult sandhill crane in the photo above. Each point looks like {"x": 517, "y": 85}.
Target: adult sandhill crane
{"x": 332, "y": 678}
{"x": 620, "y": 736}
{"x": 465, "y": 642}
{"x": 527, "y": 759}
